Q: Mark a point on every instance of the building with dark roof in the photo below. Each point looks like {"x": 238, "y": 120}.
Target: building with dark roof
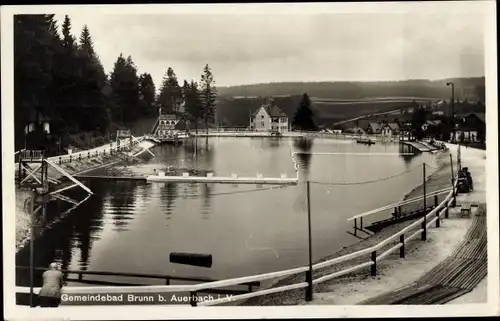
{"x": 470, "y": 128}
{"x": 269, "y": 117}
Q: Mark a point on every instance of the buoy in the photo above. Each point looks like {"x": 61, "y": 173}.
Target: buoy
{"x": 203, "y": 260}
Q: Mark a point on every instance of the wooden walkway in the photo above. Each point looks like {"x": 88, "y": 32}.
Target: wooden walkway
{"x": 453, "y": 277}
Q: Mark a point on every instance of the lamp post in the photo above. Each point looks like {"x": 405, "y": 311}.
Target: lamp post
{"x": 452, "y": 109}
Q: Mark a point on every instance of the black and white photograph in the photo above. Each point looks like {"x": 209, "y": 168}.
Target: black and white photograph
{"x": 250, "y": 160}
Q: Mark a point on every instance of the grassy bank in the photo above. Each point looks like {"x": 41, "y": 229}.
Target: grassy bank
{"x": 439, "y": 179}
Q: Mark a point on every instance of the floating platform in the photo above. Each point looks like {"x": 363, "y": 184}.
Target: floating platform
{"x": 234, "y": 179}
{"x": 366, "y": 142}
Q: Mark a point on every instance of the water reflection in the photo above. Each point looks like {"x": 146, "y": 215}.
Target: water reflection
{"x": 273, "y": 142}
{"x": 123, "y": 203}
{"x": 405, "y": 151}
{"x": 168, "y": 195}
{"x": 303, "y": 147}
{"x": 206, "y": 205}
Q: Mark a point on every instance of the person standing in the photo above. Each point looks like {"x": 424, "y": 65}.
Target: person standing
{"x": 50, "y": 294}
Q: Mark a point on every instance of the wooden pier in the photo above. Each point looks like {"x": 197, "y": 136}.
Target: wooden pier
{"x": 234, "y": 179}
{"x": 421, "y": 146}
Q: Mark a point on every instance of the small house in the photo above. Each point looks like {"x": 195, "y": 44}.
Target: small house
{"x": 269, "y": 117}
{"x": 470, "y": 128}
{"x": 373, "y": 128}
{"x": 389, "y": 129}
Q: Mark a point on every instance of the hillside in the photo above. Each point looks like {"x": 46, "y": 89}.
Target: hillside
{"x": 465, "y": 88}
{"x": 337, "y": 101}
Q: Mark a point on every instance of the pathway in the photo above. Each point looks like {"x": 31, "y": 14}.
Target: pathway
{"x": 460, "y": 273}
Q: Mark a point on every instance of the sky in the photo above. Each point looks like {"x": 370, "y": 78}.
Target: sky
{"x": 273, "y": 46}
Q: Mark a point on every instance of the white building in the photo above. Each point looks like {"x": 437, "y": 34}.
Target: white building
{"x": 269, "y": 118}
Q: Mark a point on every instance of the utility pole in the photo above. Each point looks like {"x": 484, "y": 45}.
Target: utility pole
{"x": 452, "y": 109}
{"x": 453, "y": 181}
{"x": 425, "y": 187}
{"x": 309, "y": 289}
{"x": 32, "y": 245}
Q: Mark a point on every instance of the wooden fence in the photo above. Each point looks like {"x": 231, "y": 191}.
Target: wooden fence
{"x": 374, "y": 254}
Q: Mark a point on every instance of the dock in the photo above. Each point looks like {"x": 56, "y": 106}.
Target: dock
{"x": 419, "y": 146}
{"x": 112, "y": 178}
{"x": 234, "y": 179}
{"x": 185, "y": 178}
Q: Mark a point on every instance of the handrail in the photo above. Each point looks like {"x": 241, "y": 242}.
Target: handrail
{"x": 138, "y": 275}
{"x": 405, "y": 202}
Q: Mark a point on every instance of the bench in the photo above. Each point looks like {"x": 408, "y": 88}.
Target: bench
{"x": 465, "y": 209}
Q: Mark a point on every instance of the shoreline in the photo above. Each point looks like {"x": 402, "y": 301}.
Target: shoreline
{"x": 437, "y": 179}
{"x": 22, "y": 228}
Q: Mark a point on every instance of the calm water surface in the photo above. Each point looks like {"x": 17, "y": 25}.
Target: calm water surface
{"x": 130, "y": 226}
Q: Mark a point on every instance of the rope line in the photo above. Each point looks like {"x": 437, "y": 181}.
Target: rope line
{"x": 239, "y": 192}
{"x": 365, "y": 182}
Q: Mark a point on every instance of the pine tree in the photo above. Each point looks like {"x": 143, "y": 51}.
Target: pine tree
{"x": 68, "y": 39}
{"x": 86, "y": 43}
{"x": 208, "y": 96}
{"x": 170, "y": 96}
{"x": 125, "y": 85}
{"x": 92, "y": 79}
{"x": 303, "y": 119}
{"x": 192, "y": 102}
{"x": 147, "y": 92}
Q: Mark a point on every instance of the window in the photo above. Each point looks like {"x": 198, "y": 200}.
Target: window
{"x": 262, "y": 123}
{"x": 262, "y": 116}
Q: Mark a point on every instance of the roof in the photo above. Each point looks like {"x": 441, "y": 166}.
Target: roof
{"x": 355, "y": 130}
{"x": 374, "y": 126}
{"x": 481, "y": 116}
{"x": 393, "y": 126}
{"x": 271, "y": 110}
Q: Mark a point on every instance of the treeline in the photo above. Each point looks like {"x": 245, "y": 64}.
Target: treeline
{"x": 466, "y": 88}
{"x": 61, "y": 78}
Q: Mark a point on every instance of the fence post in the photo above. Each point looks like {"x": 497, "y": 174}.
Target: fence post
{"x": 402, "y": 248}
{"x": 309, "y": 289}
{"x": 192, "y": 298}
{"x": 438, "y": 223}
{"x": 424, "y": 227}
{"x": 88, "y": 154}
{"x": 70, "y": 158}
{"x": 167, "y": 281}
{"x": 435, "y": 200}
{"x": 453, "y": 204}
{"x": 60, "y": 160}
{"x": 373, "y": 269}
{"x": 446, "y": 212}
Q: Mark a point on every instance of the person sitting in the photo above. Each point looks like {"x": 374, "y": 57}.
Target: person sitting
{"x": 50, "y": 294}
{"x": 469, "y": 178}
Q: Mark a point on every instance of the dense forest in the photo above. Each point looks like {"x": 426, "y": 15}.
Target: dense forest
{"x": 465, "y": 88}
{"x": 60, "y": 79}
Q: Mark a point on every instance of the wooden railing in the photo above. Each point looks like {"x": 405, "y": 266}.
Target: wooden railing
{"x": 168, "y": 278}
{"x": 373, "y": 255}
